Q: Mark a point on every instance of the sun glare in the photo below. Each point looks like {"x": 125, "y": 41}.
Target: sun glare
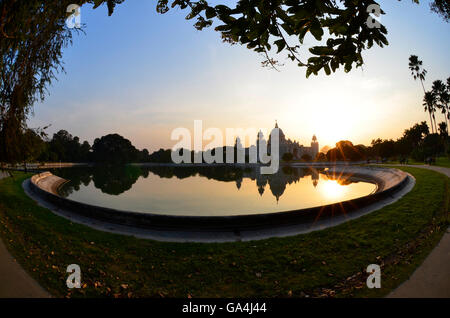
{"x": 332, "y": 189}
{"x": 336, "y": 123}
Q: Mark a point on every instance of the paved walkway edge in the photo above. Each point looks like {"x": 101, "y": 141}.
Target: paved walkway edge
{"x": 15, "y": 282}
{"x": 432, "y": 278}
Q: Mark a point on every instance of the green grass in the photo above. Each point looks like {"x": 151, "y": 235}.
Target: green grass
{"x": 443, "y": 162}
{"x": 440, "y": 161}
{"x": 331, "y": 262}
{"x": 410, "y": 162}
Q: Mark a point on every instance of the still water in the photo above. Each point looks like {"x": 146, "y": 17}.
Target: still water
{"x": 206, "y": 191}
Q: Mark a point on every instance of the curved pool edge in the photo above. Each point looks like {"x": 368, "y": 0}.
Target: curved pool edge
{"x": 43, "y": 189}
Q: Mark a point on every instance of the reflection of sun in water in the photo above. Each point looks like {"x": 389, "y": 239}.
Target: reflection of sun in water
{"x": 332, "y": 189}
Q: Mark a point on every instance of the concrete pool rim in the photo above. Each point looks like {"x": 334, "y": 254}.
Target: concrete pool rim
{"x": 390, "y": 182}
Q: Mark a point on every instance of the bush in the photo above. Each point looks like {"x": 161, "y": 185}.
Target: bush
{"x": 287, "y": 156}
{"x": 306, "y": 157}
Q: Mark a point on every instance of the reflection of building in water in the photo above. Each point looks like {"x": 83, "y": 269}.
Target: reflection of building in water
{"x": 315, "y": 177}
{"x": 117, "y": 180}
{"x": 277, "y": 187}
{"x": 239, "y": 183}
{"x": 294, "y": 147}
{"x": 261, "y": 184}
{"x": 277, "y": 182}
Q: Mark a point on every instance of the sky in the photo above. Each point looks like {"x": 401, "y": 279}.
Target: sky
{"x": 142, "y": 74}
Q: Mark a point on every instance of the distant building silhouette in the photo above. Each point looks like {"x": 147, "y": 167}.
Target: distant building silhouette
{"x": 294, "y": 147}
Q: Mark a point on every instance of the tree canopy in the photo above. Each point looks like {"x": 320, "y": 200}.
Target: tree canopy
{"x": 442, "y": 8}
{"x": 114, "y": 148}
{"x": 343, "y": 28}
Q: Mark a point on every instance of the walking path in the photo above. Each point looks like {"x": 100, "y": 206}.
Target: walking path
{"x": 432, "y": 278}
{"x": 14, "y": 281}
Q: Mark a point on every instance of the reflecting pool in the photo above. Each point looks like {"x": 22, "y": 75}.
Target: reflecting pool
{"x": 207, "y": 191}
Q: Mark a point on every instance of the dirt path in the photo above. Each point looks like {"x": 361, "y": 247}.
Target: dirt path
{"x": 432, "y": 278}
{"x": 14, "y": 281}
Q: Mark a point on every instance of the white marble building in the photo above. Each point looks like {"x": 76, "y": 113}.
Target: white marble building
{"x": 293, "y": 146}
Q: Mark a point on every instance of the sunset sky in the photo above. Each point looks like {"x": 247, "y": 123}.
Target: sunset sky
{"x": 141, "y": 74}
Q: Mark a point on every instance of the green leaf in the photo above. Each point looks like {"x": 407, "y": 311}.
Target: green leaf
{"x": 316, "y": 30}
{"x": 210, "y": 13}
{"x": 321, "y": 50}
{"x": 281, "y": 44}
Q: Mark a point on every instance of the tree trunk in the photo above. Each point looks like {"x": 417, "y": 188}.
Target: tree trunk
{"x": 421, "y": 82}
{"x": 431, "y": 121}
{"x": 435, "y": 125}
{"x": 447, "y": 119}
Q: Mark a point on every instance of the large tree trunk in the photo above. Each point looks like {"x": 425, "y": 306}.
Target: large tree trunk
{"x": 11, "y": 132}
{"x": 435, "y": 125}
{"x": 421, "y": 82}
{"x": 431, "y": 121}
{"x": 447, "y": 119}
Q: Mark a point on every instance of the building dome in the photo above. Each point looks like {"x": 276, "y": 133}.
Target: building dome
{"x": 280, "y": 132}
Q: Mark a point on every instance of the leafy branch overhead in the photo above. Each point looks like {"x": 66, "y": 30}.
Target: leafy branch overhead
{"x": 339, "y": 27}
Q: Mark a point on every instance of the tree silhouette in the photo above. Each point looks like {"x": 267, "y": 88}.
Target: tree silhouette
{"x": 287, "y": 156}
{"x": 443, "y": 129}
{"x": 114, "y": 149}
{"x": 345, "y": 150}
{"x": 306, "y": 157}
{"x": 417, "y": 71}
{"x": 442, "y": 97}
{"x": 442, "y": 8}
{"x": 429, "y": 103}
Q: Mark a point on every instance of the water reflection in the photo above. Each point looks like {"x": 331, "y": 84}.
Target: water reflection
{"x": 115, "y": 180}
{"x": 207, "y": 190}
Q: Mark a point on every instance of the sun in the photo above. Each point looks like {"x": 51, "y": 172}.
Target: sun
{"x": 339, "y": 119}
{"x": 332, "y": 189}
{"x": 334, "y": 127}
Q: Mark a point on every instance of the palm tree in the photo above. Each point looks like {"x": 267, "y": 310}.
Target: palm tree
{"x": 448, "y": 100}
{"x": 415, "y": 65}
{"x": 429, "y": 101}
{"x": 443, "y": 129}
{"x": 418, "y": 72}
{"x": 442, "y": 97}
{"x": 434, "y": 117}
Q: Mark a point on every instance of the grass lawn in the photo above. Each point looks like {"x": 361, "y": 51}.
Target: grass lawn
{"x": 331, "y": 262}
{"x": 443, "y": 162}
{"x": 440, "y": 161}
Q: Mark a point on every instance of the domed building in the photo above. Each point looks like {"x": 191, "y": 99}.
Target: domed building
{"x": 294, "y": 147}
